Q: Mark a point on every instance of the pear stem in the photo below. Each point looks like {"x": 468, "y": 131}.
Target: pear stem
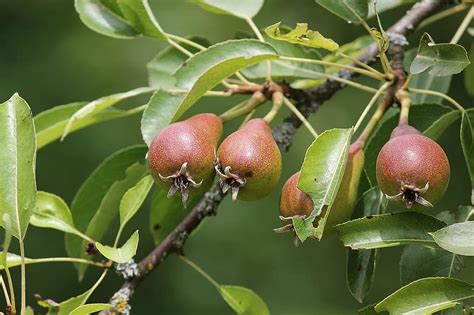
{"x": 370, "y": 104}
{"x": 405, "y": 104}
{"x": 243, "y": 108}
{"x": 435, "y": 93}
{"x": 277, "y": 99}
{"x": 300, "y": 116}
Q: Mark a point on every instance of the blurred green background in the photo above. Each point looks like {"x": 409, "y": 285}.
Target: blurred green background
{"x": 51, "y": 58}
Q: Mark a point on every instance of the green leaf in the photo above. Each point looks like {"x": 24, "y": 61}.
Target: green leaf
{"x": 133, "y": 199}
{"x": 440, "y": 59}
{"x": 367, "y": 310}
{"x": 467, "y": 144}
{"x": 387, "y": 230}
{"x": 123, "y": 254}
{"x": 243, "y": 9}
{"x": 469, "y": 74}
{"x": 361, "y": 263}
{"x": 17, "y": 166}
{"x": 457, "y": 238}
{"x": 243, "y": 301}
{"x": 301, "y": 35}
{"x": 383, "y": 6}
{"x": 97, "y": 202}
{"x": 426, "y": 296}
{"x": 84, "y": 113}
{"x": 52, "y": 212}
{"x": 90, "y": 308}
{"x": 432, "y": 119}
{"x": 7, "y": 239}
{"x": 340, "y": 8}
{"x": 119, "y": 18}
{"x": 66, "y": 307}
{"x": 426, "y": 81}
{"x": 12, "y": 260}
{"x": 202, "y": 72}
{"x": 168, "y": 61}
{"x": 321, "y": 175}
{"x": 287, "y": 70}
{"x": 50, "y": 123}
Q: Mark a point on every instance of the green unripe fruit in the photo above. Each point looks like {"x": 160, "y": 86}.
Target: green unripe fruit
{"x": 411, "y": 168}
{"x": 249, "y": 161}
{"x": 182, "y": 155}
{"x": 293, "y": 201}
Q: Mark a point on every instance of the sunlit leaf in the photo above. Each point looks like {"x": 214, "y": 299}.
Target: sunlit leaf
{"x": 17, "y": 166}
{"x": 243, "y": 301}
{"x": 342, "y": 10}
{"x": 122, "y": 254}
{"x": 467, "y": 144}
{"x": 387, "y": 230}
{"x": 133, "y": 199}
{"x": 457, "y": 238}
{"x": 242, "y": 9}
{"x": 301, "y": 35}
{"x": 321, "y": 175}
{"x": 202, "y": 72}
{"x": 440, "y": 59}
{"x": 90, "y": 308}
{"x": 12, "y": 260}
{"x": 426, "y": 296}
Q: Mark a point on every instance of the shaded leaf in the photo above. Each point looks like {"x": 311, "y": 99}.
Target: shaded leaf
{"x": 457, "y": 238}
{"x": 321, "y": 176}
{"x": 97, "y": 202}
{"x": 387, "y": 230}
{"x": 242, "y": 9}
{"x": 340, "y": 8}
{"x": 18, "y": 163}
{"x": 467, "y": 144}
{"x": 201, "y": 73}
{"x": 122, "y": 254}
{"x": 426, "y": 296}
{"x": 469, "y": 73}
{"x": 243, "y": 301}
{"x": 301, "y": 35}
{"x": 90, "y": 308}
{"x": 133, "y": 199}
{"x": 440, "y": 59}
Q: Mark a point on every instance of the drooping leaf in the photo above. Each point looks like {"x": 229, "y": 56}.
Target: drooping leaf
{"x": 97, "y": 202}
{"x": 321, "y": 175}
{"x": 340, "y": 8}
{"x": 202, "y": 72}
{"x": 122, "y": 254}
{"x": 425, "y": 81}
{"x": 301, "y": 35}
{"x": 431, "y": 119}
{"x": 52, "y": 212}
{"x": 133, "y": 199}
{"x": 119, "y": 18}
{"x": 287, "y": 70}
{"x": 242, "y": 9}
{"x": 18, "y": 162}
{"x": 243, "y": 301}
{"x": 469, "y": 73}
{"x": 440, "y": 59}
{"x": 419, "y": 262}
{"x": 68, "y": 306}
{"x": 457, "y": 238}
{"x": 467, "y": 144}
{"x": 361, "y": 263}
{"x": 387, "y": 230}
{"x": 87, "y": 111}
{"x": 90, "y": 308}
{"x": 168, "y": 61}
{"x": 426, "y": 296}
{"x": 50, "y": 123}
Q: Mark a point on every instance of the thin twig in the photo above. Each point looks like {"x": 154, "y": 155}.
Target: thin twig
{"x": 464, "y": 24}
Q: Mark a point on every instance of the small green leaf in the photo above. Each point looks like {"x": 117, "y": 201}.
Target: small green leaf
{"x": 243, "y": 301}
{"x": 97, "y": 202}
{"x": 168, "y": 61}
{"x": 321, "y": 175}
{"x": 66, "y": 307}
{"x": 17, "y": 166}
{"x": 99, "y": 105}
{"x": 90, "y": 308}
{"x": 387, "y": 230}
{"x": 133, "y": 199}
{"x": 12, "y": 260}
{"x": 202, "y": 72}
{"x": 50, "y": 123}
{"x": 243, "y": 9}
{"x": 469, "y": 73}
{"x": 119, "y": 18}
{"x": 426, "y": 296}
{"x": 361, "y": 263}
{"x": 440, "y": 59}
{"x": 123, "y": 254}
{"x": 467, "y": 144}
{"x": 340, "y": 8}
{"x": 457, "y": 238}
{"x": 52, "y": 212}
{"x": 301, "y": 35}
